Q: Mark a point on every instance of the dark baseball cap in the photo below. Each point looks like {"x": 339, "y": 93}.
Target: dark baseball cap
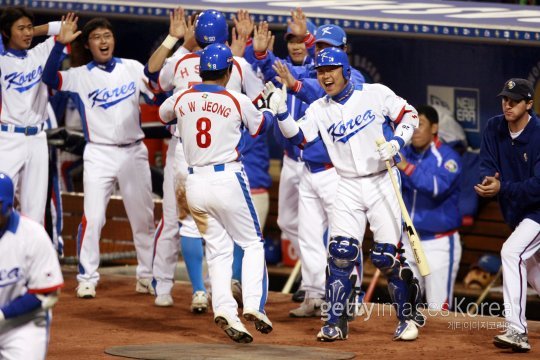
{"x": 518, "y": 89}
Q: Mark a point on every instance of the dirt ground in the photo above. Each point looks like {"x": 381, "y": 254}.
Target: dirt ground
{"x": 83, "y": 329}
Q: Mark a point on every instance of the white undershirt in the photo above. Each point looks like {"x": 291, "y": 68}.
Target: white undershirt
{"x": 514, "y": 135}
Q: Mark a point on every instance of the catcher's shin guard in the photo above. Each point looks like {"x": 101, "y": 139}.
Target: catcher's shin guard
{"x": 343, "y": 253}
{"x": 402, "y": 285}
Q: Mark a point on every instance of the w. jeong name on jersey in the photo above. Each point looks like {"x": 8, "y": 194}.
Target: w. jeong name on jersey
{"x": 344, "y": 130}
{"x": 106, "y": 98}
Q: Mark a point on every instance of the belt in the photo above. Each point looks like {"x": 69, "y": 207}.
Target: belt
{"x": 232, "y": 166}
{"x": 119, "y": 145}
{"x": 28, "y": 130}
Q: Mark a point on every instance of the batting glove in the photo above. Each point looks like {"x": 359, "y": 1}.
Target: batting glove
{"x": 275, "y": 98}
{"x": 388, "y": 150}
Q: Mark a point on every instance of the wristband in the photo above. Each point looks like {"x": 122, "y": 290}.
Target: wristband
{"x": 169, "y": 42}
{"x": 54, "y": 28}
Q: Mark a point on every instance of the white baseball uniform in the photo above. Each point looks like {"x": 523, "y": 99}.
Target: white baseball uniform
{"x": 108, "y": 99}
{"x": 23, "y": 144}
{"x": 28, "y": 264}
{"x": 209, "y": 121}
{"x": 179, "y": 72}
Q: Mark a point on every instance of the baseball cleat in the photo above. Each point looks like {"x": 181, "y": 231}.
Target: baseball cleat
{"x": 406, "y": 330}
{"x": 309, "y": 308}
{"x": 199, "y": 302}
{"x": 235, "y": 330}
{"x": 329, "y": 333}
{"x": 164, "y": 300}
{"x": 262, "y": 323}
{"x": 86, "y": 290}
{"x": 512, "y": 339}
{"x": 299, "y": 296}
{"x": 144, "y": 286}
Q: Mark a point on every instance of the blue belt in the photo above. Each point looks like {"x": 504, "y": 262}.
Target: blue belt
{"x": 28, "y": 131}
{"x": 217, "y": 167}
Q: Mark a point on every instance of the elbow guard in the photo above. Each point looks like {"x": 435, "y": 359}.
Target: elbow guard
{"x": 288, "y": 126}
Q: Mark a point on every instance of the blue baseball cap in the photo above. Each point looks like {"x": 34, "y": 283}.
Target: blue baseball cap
{"x": 331, "y": 34}
{"x": 311, "y": 28}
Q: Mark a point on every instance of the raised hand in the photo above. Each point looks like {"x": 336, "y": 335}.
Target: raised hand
{"x": 177, "y": 23}
{"x": 243, "y": 23}
{"x": 261, "y": 37}
{"x": 284, "y": 75}
{"x": 238, "y": 43}
{"x": 275, "y": 98}
{"x": 189, "y": 38}
{"x": 298, "y": 23}
{"x": 68, "y": 29}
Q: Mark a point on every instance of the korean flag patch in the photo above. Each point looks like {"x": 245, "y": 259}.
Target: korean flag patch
{"x": 451, "y": 165}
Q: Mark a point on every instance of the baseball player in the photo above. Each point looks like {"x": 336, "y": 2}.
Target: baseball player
{"x": 107, "y": 91}
{"x": 348, "y": 120}
{"x": 510, "y": 170}
{"x": 29, "y": 283}
{"x": 23, "y": 144}
{"x": 210, "y": 118}
{"x": 430, "y": 173}
{"x": 179, "y": 72}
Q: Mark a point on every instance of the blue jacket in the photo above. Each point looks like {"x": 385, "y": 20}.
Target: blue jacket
{"x": 431, "y": 189}
{"x": 518, "y": 163}
{"x": 256, "y": 160}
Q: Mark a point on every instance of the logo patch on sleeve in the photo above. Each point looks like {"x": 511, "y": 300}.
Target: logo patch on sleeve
{"x": 451, "y": 165}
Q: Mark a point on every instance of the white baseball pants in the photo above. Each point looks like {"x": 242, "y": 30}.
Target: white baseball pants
{"x": 221, "y": 204}
{"x": 289, "y": 181}
{"x": 28, "y": 340}
{"x": 103, "y": 166}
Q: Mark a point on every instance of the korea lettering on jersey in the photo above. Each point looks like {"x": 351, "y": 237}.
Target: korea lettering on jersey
{"x": 110, "y": 114}
{"x": 350, "y": 130}
{"x": 210, "y": 117}
{"x": 24, "y": 95}
{"x": 28, "y": 263}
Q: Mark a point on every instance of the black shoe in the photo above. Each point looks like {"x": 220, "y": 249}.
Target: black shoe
{"x": 299, "y": 296}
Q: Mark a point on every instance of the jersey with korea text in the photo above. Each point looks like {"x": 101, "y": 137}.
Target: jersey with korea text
{"x": 209, "y": 121}
{"x": 28, "y": 262}
{"x": 24, "y": 95}
{"x": 108, "y": 101}
{"x": 350, "y": 130}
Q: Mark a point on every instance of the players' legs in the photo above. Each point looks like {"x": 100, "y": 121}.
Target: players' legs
{"x": 13, "y": 154}
{"x": 98, "y": 180}
{"x": 27, "y": 341}
{"x": 522, "y": 245}
{"x": 167, "y": 236}
{"x": 384, "y": 216}
{"x": 34, "y": 178}
{"x": 533, "y": 271}
{"x": 443, "y": 256}
{"x": 136, "y": 189}
{"x": 288, "y": 200}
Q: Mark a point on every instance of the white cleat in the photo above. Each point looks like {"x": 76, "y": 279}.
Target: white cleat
{"x": 164, "y": 300}
{"x": 406, "y": 330}
{"x": 144, "y": 286}
{"x": 311, "y": 307}
{"x": 86, "y": 290}
{"x": 262, "y": 323}
{"x": 234, "y": 329}
{"x": 199, "y": 302}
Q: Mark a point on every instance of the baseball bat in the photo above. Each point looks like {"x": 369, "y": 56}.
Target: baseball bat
{"x": 290, "y": 281}
{"x": 414, "y": 239}
{"x": 486, "y": 290}
{"x": 372, "y": 285}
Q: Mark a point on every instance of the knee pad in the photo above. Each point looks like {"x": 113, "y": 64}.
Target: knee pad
{"x": 343, "y": 254}
{"x": 402, "y": 285}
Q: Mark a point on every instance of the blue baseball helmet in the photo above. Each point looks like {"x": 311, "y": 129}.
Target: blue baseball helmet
{"x": 6, "y": 194}
{"x": 334, "y": 57}
{"x": 331, "y": 34}
{"x": 216, "y": 57}
{"x": 211, "y": 27}
{"x": 311, "y": 28}
{"x": 490, "y": 263}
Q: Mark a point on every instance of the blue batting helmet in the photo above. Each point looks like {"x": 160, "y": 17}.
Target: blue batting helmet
{"x": 211, "y": 27}
{"x": 216, "y": 57}
{"x": 333, "y": 56}
{"x": 6, "y": 194}
{"x": 331, "y": 34}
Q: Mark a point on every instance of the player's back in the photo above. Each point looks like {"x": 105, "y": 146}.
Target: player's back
{"x": 209, "y": 120}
